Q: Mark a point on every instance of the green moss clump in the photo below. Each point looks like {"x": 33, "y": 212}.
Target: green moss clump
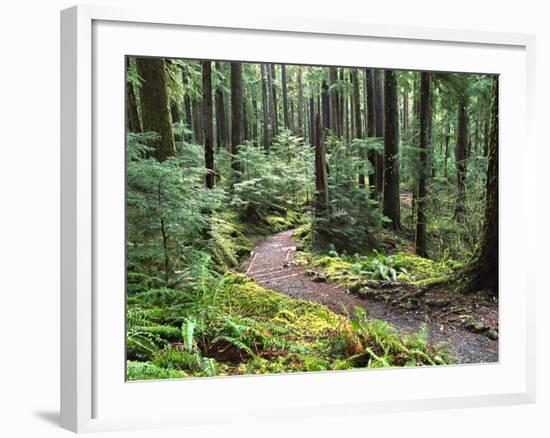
{"x": 303, "y": 235}
{"x": 420, "y": 268}
{"x": 332, "y": 265}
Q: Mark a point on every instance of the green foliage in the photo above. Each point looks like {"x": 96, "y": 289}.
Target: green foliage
{"x": 354, "y": 217}
{"x": 189, "y": 315}
{"x": 167, "y": 208}
{"x": 235, "y": 326}
{"x": 272, "y": 185}
{"x": 148, "y": 371}
{"x": 400, "y": 267}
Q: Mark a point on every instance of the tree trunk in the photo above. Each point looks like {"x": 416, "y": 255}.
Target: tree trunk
{"x": 300, "y": 102}
{"x": 482, "y": 273}
{"x": 265, "y": 107}
{"x": 133, "y": 123}
{"x": 210, "y": 177}
{"x": 246, "y": 134}
{"x": 405, "y": 113}
{"x": 371, "y": 126}
{"x": 321, "y": 182}
{"x": 220, "y": 114}
{"x": 333, "y": 98}
{"x": 274, "y": 113}
{"x": 154, "y": 105}
{"x": 197, "y": 122}
{"x": 175, "y": 114}
{"x": 255, "y": 130}
{"x": 391, "y": 207}
{"x": 236, "y": 113}
{"x": 341, "y": 103}
{"x": 186, "y": 103}
{"x": 325, "y": 105}
{"x": 447, "y": 139}
{"x": 461, "y": 152}
{"x": 425, "y": 137}
{"x": 357, "y": 115}
{"x": 379, "y": 129}
{"x": 311, "y": 120}
{"x": 286, "y": 119}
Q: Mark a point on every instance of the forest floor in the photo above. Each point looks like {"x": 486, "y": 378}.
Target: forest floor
{"x": 272, "y": 266}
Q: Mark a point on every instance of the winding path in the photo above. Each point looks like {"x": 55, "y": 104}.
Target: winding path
{"x": 270, "y": 265}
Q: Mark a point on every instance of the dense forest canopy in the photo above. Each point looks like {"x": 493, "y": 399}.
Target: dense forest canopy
{"x": 365, "y": 165}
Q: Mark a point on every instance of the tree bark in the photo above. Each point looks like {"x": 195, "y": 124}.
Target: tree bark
{"x": 391, "y": 208}
{"x": 300, "y": 102}
{"x": 371, "y": 126}
{"x": 311, "y": 120}
{"x": 265, "y": 107}
{"x": 340, "y": 103}
{"x": 333, "y": 98}
{"x": 197, "y": 121}
{"x": 286, "y": 119}
{"x": 405, "y": 112}
{"x": 321, "y": 182}
{"x": 461, "y": 152}
{"x": 482, "y": 273}
{"x": 210, "y": 177}
{"x": 379, "y": 121}
{"x": 357, "y": 115}
{"x": 186, "y": 102}
{"x": 274, "y": 113}
{"x": 133, "y": 123}
{"x": 236, "y": 113}
{"x": 325, "y": 105}
{"x": 447, "y": 139}
{"x": 255, "y": 130}
{"x": 154, "y": 105}
{"x": 425, "y": 137}
{"x": 221, "y": 126}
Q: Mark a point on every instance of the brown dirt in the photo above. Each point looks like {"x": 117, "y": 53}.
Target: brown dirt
{"x": 270, "y": 264}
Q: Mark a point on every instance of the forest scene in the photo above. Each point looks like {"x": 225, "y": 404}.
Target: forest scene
{"x": 295, "y": 218}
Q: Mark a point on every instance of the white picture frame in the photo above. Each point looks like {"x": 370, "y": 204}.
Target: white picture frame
{"x": 92, "y": 391}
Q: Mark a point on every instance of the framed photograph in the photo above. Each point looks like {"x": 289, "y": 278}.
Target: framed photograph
{"x": 291, "y": 217}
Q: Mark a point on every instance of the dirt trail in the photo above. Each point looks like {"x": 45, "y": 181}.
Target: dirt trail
{"x": 271, "y": 266}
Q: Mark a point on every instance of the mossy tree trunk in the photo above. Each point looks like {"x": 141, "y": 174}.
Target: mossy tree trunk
{"x": 208, "y": 123}
{"x": 461, "y": 154}
{"x": 333, "y": 97}
{"x": 357, "y": 117}
{"x": 274, "y": 112}
{"x": 379, "y": 121}
{"x": 300, "y": 107}
{"x": 425, "y": 142}
{"x": 325, "y": 105}
{"x": 482, "y": 272}
{"x": 311, "y": 120}
{"x": 154, "y": 105}
{"x": 133, "y": 124}
{"x": 391, "y": 207}
{"x": 265, "y": 107}
{"x": 236, "y": 113}
{"x": 221, "y": 126}
{"x": 371, "y": 125}
{"x": 321, "y": 183}
{"x": 186, "y": 102}
{"x": 286, "y": 118}
{"x": 446, "y": 157}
